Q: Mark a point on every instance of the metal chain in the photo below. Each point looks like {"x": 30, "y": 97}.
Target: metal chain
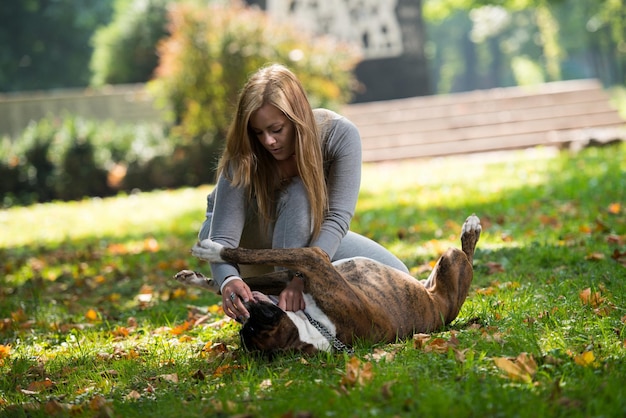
{"x": 334, "y": 341}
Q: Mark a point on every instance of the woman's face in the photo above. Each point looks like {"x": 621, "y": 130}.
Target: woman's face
{"x": 274, "y": 130}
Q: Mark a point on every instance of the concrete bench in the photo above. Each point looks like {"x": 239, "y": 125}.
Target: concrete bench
{"x": 558, "y": 113}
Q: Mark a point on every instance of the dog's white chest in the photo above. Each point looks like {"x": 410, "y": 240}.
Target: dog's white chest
{"x": 308, "y": 332}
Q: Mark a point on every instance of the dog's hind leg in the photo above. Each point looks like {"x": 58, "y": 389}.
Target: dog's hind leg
{"x": 451, "y": 278}
{"x": 470, "y": 233}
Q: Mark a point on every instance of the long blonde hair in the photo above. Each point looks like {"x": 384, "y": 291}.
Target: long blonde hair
{"x": 246, "y": 163}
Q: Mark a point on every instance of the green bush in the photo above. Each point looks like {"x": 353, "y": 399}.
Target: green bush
{"x": 70, "y": 158}
{"x": 213, "y": 49}
{"x": 125, "y": 50}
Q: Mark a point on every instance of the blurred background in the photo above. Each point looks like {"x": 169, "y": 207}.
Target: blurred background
{"x": 98, "y": 97}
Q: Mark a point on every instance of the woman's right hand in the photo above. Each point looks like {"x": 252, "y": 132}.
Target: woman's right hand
{"x": 234, "y": 294}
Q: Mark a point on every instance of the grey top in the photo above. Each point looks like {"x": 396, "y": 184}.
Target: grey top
{"x": 341, "y": 149}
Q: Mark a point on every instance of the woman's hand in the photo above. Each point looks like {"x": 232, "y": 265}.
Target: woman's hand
{"x": 292, "y": 299}
{"x": 234, "y": 294}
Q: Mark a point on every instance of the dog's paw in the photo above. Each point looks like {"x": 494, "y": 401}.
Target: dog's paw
{"x": 195, "y": 279}
{"x": 472, "y": 225}
{"x": 470, "y": 233}
{"x": 208, "y": 250}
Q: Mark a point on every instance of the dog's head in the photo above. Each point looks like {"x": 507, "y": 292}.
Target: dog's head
{"x": 270, "y": 331}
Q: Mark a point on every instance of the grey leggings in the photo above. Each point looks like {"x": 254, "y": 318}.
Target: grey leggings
{"x": 292, "y": 229}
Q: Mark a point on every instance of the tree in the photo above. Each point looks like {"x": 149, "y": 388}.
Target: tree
{"x": 125, "y": 50}
{"x": 507, "y": 42}
{"x": 46, "y": 44}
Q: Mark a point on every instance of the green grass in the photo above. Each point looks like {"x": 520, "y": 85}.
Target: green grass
{"x": 91, "y": 323}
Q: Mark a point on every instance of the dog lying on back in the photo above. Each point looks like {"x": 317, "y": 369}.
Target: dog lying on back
{"x": 351, "y": 300}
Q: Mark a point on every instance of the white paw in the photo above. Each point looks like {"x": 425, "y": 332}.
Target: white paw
{"x": 208, "y": 250}
{"x": 472, "y": 224}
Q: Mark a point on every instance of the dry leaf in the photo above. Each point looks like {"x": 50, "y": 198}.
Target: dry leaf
{"x": 5, "y": 351}
{"x": 585, "y": 359}
{"x": 173, "y": 378}
{"x": 380, "y": 354}
{"x": 179, "y": 329}
{"x": 493, "y": 268}
{"x": 41, "y": 385}
{"x": 91, "y": 315}
{"x": 419, "y": 340}
{"x": 54, "y": 407}
{"x": 522, "y": 368}
{"x": 589, "y": 298}
{"x": 615, "y": 208}
{"x": 97, "y": 403}
{"x": 595, "y": 257}
{"x": 357, "y": 373}
{"x": 133, "y": 395}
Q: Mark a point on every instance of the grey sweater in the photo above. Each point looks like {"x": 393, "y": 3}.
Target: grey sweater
{"x": 341, "y": 149}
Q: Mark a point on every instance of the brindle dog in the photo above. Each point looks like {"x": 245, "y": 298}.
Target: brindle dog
{"x": 356, "y": 299}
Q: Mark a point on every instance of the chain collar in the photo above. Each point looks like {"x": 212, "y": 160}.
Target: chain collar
{"x": 334, "y": 341}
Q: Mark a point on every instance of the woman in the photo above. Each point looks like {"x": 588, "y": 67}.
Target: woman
{"x": 289, "y": 177}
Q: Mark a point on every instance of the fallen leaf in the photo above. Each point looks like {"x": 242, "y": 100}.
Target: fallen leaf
{"x": 179, "y": 329}
{"x": 265, "y": 384}
{"x": 615, "y": 208}
{"x": 5, "y": 351}
{"x": 54, "y": 407}
{"x": 121, "y": 332}
{"x": 173, "y": 378}
{"x": 357, "y": 373}
{"x": 585, "y": 359}
{"x": 380, "y": 354}
{"x": 595, "y": 257}
{"x": 133, "y": 395}
{"x": 522, "y": 368}
{"x": 428, "y": 344}
{"x": 589, "y": 298}
{"x": 151, "y": 245}
{"x": 493, "y": 267}
{"x": 40, "y": 386}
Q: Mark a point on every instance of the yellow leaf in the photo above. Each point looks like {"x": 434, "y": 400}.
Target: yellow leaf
{"x": 121, "y": 332}
{"x": 615, "y": 208}
{"x": 5, "y": 351}
{"x": 523, "y": 368}
{"x": 179, "y": 329}
{"x": 91, "y": 315}
{"x": 585, "y": 359}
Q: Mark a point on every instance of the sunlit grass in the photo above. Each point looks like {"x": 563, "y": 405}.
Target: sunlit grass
{"x": 91, "y": 322}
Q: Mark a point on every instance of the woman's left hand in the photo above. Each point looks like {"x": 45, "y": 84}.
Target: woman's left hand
{"x": 291, "y": 299}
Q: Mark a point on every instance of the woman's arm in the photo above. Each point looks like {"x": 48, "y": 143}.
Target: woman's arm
{"x": 341, "y": 144}
{"x": 229, "y": 213}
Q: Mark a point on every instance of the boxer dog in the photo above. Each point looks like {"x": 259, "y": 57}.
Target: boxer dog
{"x": 356, "y": 299}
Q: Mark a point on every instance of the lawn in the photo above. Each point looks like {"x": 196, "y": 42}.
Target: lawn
{"x": 91, "y": 323}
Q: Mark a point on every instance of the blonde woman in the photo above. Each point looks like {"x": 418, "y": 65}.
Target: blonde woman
{"x": 289, "y": 177}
